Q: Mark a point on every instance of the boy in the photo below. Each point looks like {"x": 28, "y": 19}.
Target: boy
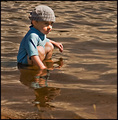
{"x": 35, "y": 47}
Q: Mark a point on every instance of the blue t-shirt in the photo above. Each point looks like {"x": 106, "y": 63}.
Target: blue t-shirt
{"x": 29, "y": 44}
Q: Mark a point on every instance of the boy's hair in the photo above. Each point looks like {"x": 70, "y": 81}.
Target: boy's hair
{"x": 42, "y": 13}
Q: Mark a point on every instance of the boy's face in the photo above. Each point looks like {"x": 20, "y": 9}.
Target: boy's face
{"x": 43, "y": 26}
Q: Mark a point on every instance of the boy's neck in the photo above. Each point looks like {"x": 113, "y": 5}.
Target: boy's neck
{"x": 36, "y": 29}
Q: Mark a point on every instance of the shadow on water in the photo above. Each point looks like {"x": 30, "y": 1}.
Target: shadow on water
{"x": 37, "y": 79}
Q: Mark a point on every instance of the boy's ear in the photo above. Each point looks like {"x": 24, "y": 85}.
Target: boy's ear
{"x": 33, "y": 22}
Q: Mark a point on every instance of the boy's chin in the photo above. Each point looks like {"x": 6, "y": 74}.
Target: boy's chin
{"x": 47, "y": 32}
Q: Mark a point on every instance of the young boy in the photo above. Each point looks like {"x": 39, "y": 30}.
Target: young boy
{"x": 35, "y": 47}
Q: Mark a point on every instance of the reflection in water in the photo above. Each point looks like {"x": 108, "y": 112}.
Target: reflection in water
{"x": 44, "y": 95}
{"x": 37, "y": 79}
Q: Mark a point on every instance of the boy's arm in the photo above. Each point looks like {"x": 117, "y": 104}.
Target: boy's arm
{"x": 59, "y": 45}
{"x": 36, "y": 60}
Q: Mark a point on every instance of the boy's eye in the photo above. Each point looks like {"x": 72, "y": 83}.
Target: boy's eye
{"x": 46, "y": 23}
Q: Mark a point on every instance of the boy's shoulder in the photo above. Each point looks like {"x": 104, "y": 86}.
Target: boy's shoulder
{"x": 33, "y": 36}
{"x": 35, "y": 32}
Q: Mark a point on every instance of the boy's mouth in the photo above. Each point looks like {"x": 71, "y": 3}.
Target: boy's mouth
{"x": 48, "y": 31}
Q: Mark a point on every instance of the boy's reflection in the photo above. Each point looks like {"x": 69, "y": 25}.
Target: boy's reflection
{"x": 44, "y": 95}
{"x": 34, "y": 78}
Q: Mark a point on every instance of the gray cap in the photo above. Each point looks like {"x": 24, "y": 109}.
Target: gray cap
{"x": 42, "y": 13}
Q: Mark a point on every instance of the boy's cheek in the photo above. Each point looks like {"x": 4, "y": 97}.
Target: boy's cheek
{"x": 45, "y": 29}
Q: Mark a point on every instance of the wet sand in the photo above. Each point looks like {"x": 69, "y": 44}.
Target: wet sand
{"x": 86, "y": 84}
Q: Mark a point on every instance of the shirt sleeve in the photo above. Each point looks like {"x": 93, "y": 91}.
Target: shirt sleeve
{"x": 47, "y": 40}
{"x": 31, "y": 45}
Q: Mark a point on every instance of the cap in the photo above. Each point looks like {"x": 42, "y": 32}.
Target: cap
{"x": 42, "y": 13}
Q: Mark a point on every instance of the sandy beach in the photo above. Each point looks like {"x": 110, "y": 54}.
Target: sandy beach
{"x": 85, "y": 87}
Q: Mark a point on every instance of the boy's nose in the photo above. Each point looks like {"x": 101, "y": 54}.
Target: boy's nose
{"x": 49, "y": 26}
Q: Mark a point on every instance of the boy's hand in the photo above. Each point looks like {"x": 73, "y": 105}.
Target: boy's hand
{"x": 37, "y": 61}
{"x": 43, "y": 67}
{"x": 60, "y": 46}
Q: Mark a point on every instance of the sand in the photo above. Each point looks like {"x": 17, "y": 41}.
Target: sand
{"x": 86, "y": 84}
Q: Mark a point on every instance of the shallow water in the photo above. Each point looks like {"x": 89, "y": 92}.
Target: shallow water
{"x": 86, "y": 85}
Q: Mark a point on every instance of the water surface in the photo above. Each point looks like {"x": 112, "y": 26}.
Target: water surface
{"x": 86, "y": 85}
